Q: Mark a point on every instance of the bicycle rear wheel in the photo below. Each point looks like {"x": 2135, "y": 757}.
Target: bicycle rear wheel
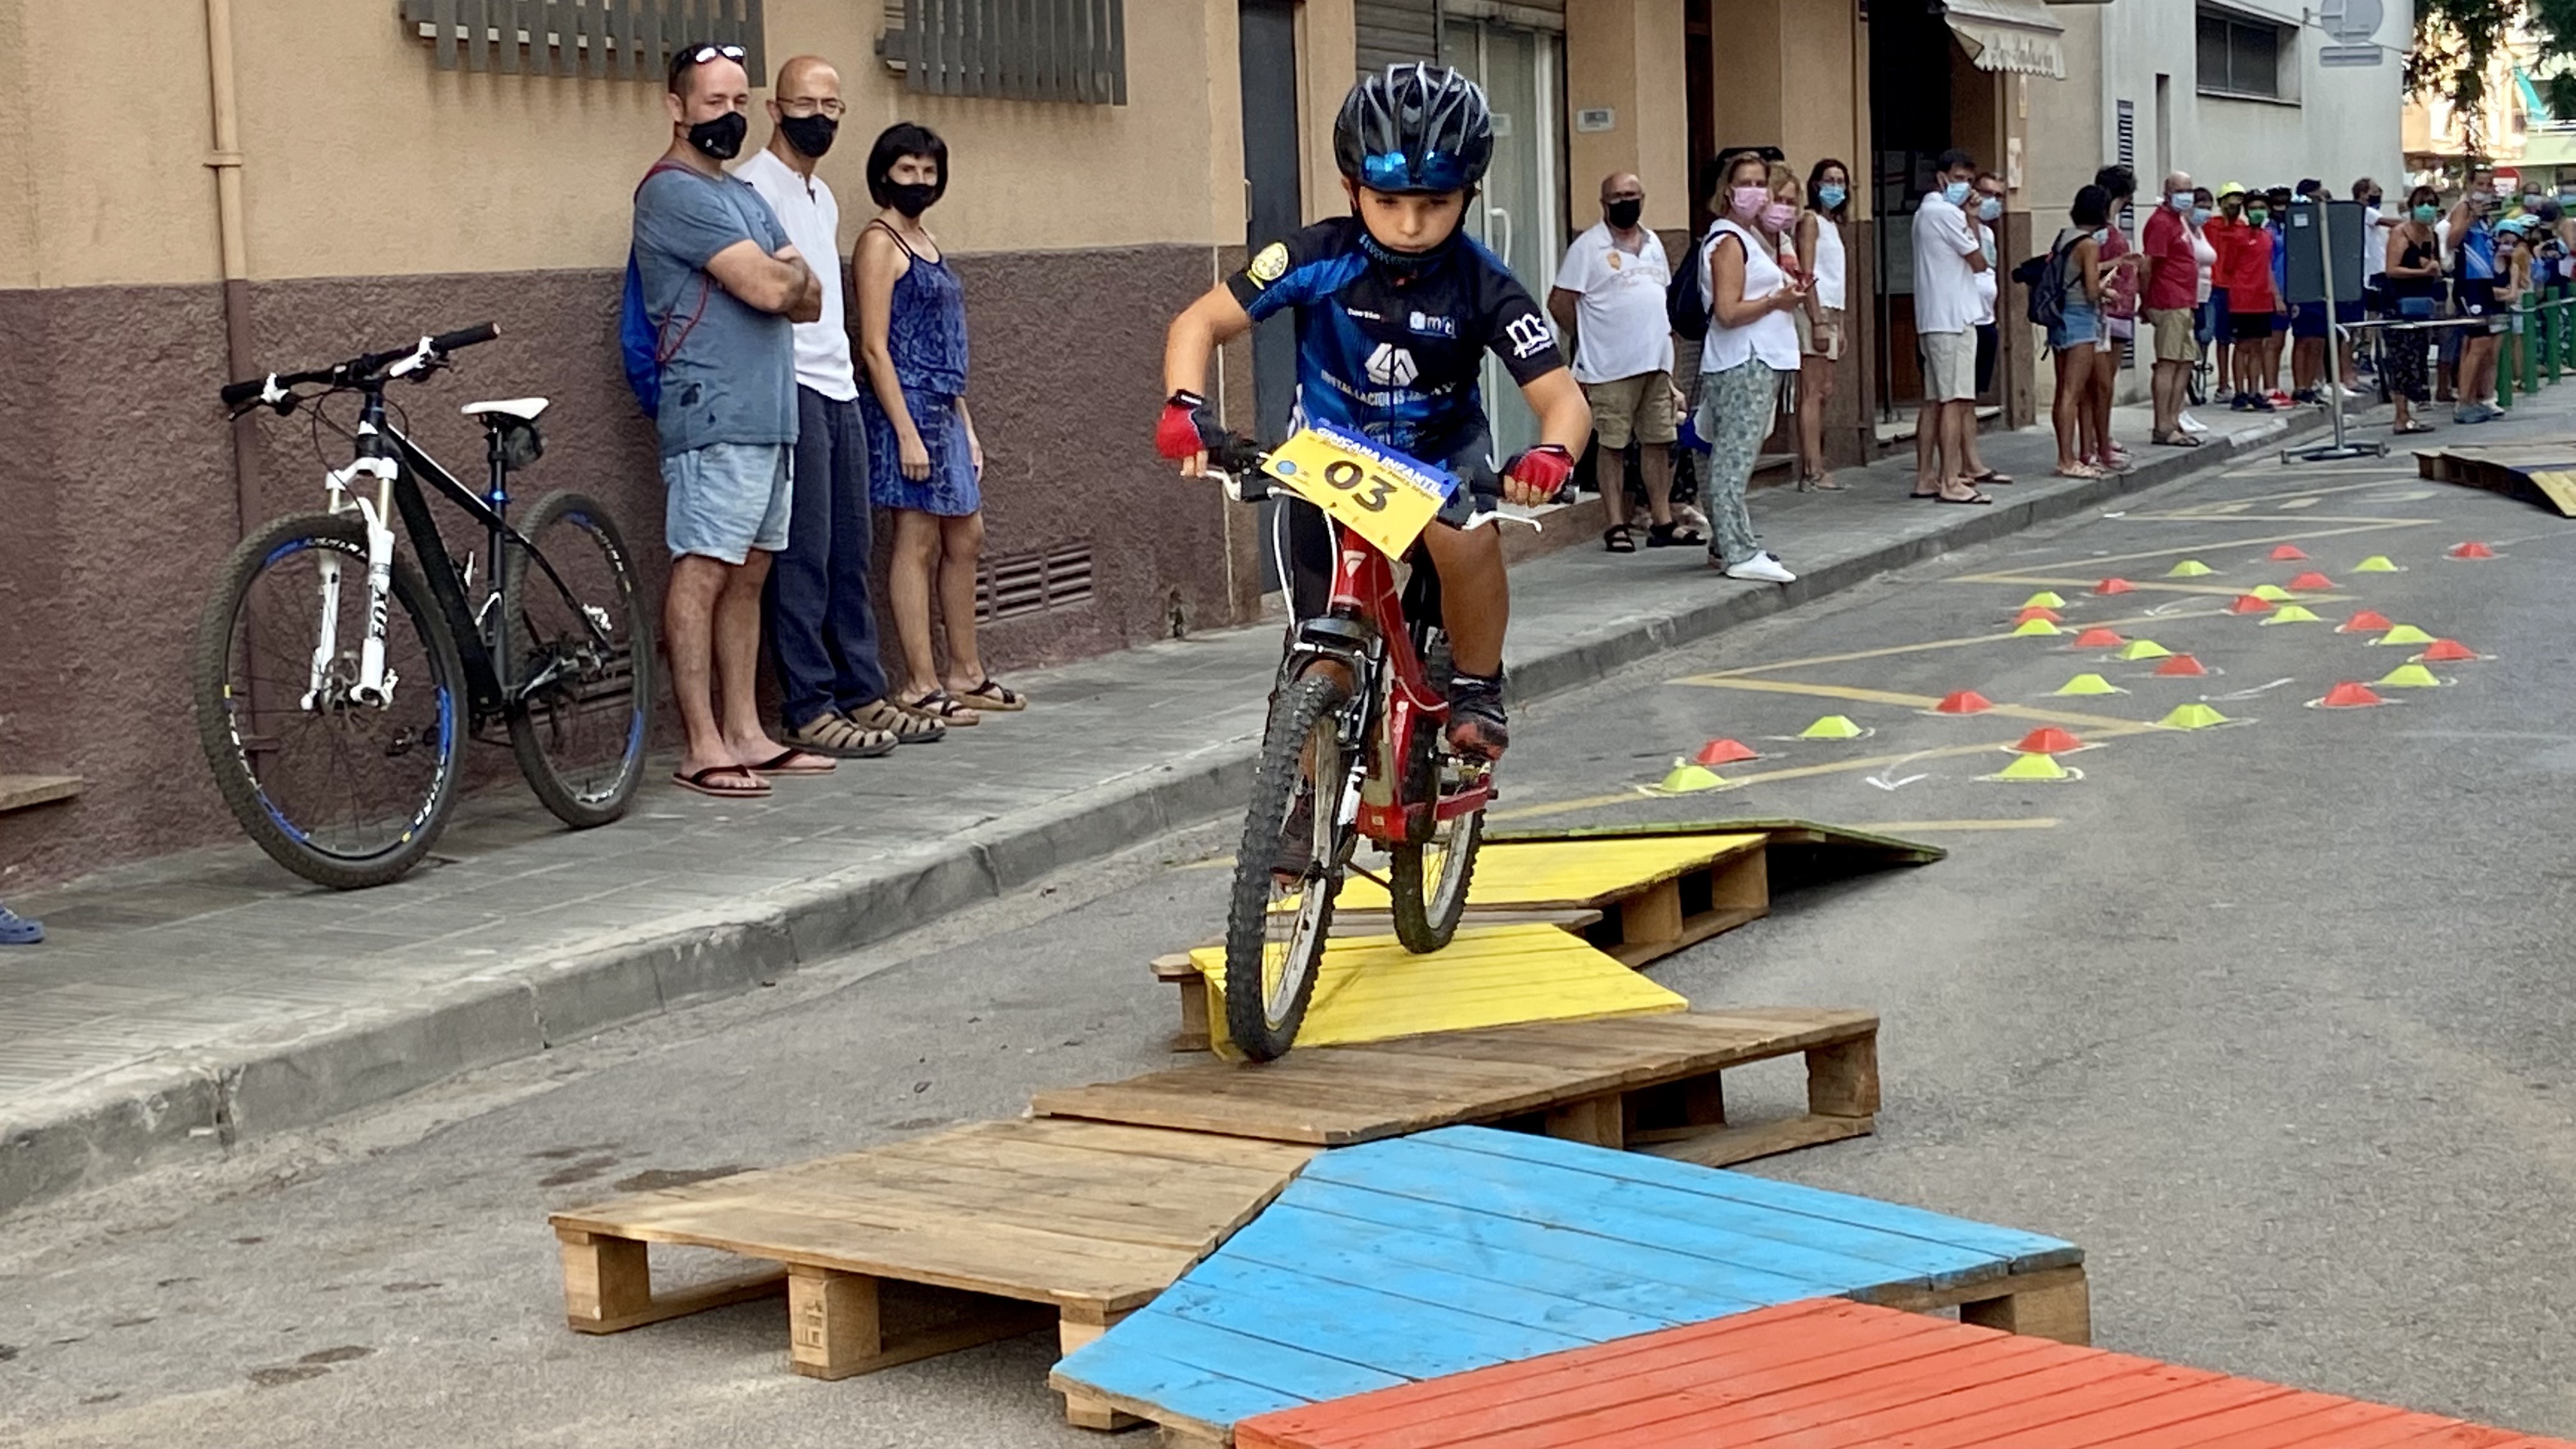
{"x": 583, "y": 654}
{"x": 1428, "y": 876}
{"x": 342, "y": 793}
{"x": 1280, "y": 919}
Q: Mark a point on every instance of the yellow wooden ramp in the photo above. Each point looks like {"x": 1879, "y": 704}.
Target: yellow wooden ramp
{"x": 1657, "y": 894}
{"x": 1369, "y": 988}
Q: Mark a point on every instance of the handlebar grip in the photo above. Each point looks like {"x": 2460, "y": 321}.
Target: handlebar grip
{"x": 464, "y": 337}
{"x": 237, "y": 393}
{"x": 1236, "y": 453}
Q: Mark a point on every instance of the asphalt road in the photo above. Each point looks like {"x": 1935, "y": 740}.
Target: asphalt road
{"x": 2271, "y": 1018}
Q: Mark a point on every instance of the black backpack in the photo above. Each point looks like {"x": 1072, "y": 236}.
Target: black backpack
{"x": 2045, "y": 276}
{"x": 1685, "y": 300}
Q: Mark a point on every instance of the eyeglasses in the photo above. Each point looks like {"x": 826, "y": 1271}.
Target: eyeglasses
{"x": 803, "y": 108}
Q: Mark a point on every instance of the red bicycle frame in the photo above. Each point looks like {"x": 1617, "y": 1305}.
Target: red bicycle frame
{"x": 1364, "y": 589}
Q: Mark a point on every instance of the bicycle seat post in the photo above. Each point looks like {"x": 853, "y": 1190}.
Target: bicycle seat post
{"x": 496, "y": 453}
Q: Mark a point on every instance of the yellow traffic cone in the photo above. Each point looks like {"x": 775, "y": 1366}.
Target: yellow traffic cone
{"x": 2030, "y": 627}
{"x": 2089, "y": 684}
{"x": 2273, "y": 592}
{"x": 2044, "y": 599}
{"x": 2192, "y": 717}
{"x": 2137, "y": 649}
{"x": 2404, "y": 634}
{"x": 2190, "y": 568}
{"x": 2292, "y": 614}
{"x": 1687, "y": 777}
{"x": 2410, "y": 676}
{"x": 2034, "y": 767}
{"x": 1831, "y": 727}
{"x": 2378, "y": 563}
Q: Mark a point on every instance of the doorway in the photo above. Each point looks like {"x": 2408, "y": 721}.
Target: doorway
{"x": 1909, "y": 111}
{"x": 1520, "y": 213}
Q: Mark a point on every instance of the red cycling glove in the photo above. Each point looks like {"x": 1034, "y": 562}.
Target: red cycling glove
{"x": 1544, "y": 469}
{"x": 1182, "y": 434}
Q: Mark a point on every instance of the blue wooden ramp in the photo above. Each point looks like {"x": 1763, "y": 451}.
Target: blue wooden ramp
{"x": 1407, "y": 1259}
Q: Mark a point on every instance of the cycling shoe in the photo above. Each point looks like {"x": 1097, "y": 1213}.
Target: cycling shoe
{"x": 1478, "y": 727}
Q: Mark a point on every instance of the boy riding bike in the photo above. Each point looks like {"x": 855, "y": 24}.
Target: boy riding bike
{"x": 1394, "y": 311}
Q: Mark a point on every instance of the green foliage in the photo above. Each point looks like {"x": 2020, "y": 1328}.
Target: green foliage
{"x": 2457, "y": 40}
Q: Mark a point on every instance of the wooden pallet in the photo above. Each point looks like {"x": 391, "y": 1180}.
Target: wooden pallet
{"x": 1652, "y": 1083}
{"x": 1828, "y": 1372}
{"x": 1433, "y": 1255}
{"x": 939, "y": 1243}
{"x": 2537, "y": 473}
{"x": 1369, "y": 988}
{"x": 1656, "y": 894}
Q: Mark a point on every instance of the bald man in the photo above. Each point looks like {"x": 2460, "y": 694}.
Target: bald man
{"x": 2171, "y": 289}
{"x": 1610, "y": 294}
{"x": 821, "y": 628}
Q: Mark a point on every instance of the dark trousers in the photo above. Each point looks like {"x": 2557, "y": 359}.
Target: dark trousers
{"x": 820, "y": 625}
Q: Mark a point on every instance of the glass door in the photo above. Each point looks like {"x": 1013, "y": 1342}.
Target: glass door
{"x": 1519, "y": 215}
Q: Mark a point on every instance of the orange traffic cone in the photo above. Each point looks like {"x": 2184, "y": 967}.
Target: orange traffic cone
{"x": 2472, "y": 550}
{"x": 1965, "y": 701}
{"x": 2249, "y": 604}
{"x": 2447, "y": 651}
{"x": 2181, "y": 666}
{"x": 2287, "y": 553}
{"x": 2310, "y": 582}
{"x": 2351, "y": 694}
{"x": 1722, "y": 752}
{"x": 2098, "y": 639}
{"x": 2047, "y": 740}
{"x": 2368, "y": 621}
{"x": 2115, "y": 586}
{"x": 2045, "y": 616}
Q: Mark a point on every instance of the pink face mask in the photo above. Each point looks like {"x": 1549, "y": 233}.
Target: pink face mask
{"x": 1748, "y": 201}
{"x": 1777, "y": 216}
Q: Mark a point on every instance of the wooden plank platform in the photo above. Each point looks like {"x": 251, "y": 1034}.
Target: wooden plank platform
{"x": 1827, "y": 1372}
{"x": 1649, "y": 1082}
{"x": 1369, "y": 988}
{"x": 1657, "y": 894}
{"x": 921, "y": 1247}
{"x": 1398, "y": 1262}
{"x": 2537, "y": 473}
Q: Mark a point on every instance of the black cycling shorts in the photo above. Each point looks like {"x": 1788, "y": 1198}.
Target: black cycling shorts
{"x": 1301, "y": 537}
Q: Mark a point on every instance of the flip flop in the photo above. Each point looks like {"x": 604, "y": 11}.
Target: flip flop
{"x": 1989, "y": 476}
{"x": 780, "y": 763}
{"x": 1973, "y": 497}
{"x": 2173, "y": 440}
{"x": 2412, "y": 428}
{"x": 698, "y": 781}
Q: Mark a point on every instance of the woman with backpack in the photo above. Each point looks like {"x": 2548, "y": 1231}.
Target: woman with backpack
{"x": 2075, "y": 269}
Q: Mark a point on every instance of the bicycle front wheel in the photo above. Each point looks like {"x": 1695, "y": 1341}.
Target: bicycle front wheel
{"x": 344, "y": 789}
{"x": 1288, "y": 869}
{"x": 581, "y": 656}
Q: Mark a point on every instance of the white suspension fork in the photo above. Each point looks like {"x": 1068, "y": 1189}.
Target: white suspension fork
{"x": 375, "y": 684}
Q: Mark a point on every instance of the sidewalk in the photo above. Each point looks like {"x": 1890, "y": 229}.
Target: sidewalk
{"x": 184, "y": 1004}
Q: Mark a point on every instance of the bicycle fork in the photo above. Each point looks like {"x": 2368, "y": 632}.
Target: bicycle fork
{"x": 374, "y": 686}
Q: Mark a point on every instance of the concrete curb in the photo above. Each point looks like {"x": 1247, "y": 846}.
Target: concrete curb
{"x": 195, "y": 1105}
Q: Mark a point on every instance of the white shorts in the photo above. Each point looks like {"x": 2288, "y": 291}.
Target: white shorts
{"x": 1949, "y": 366}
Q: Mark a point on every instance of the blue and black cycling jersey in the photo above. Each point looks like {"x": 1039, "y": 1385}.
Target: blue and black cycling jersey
{"x": 1394, "y": 354}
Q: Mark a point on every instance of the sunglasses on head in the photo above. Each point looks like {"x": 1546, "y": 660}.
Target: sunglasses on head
{"x": 705, "y": 53}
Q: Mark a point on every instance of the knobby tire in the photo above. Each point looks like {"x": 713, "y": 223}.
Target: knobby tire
{"x": 1306, "y": 712}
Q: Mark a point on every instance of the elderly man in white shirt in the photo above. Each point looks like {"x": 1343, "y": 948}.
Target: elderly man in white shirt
{"x": 1610, "y": 294}
{"x": 833, "y": 691}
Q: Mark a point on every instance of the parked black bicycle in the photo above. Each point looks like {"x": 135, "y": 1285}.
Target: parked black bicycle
{"x": 337, "y": 680}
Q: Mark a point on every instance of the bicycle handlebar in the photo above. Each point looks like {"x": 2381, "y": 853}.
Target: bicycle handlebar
{"x": 398, "y": 362}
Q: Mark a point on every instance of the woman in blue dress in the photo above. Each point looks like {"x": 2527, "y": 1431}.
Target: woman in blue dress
{"x": 925, "y": 463}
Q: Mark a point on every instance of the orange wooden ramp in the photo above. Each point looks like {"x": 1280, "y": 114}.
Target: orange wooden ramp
{"x": 1834, "y": 1374}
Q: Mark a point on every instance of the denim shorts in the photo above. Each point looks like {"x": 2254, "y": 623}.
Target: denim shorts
{"x": 2079, "y": 326}
{"x": 726, "y": 499}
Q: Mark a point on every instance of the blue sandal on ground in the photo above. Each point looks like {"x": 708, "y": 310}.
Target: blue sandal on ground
{"x": 17, "y": 930}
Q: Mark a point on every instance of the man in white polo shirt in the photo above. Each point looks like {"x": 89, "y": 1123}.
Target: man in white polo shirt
{"x": 820, "y": 626}
{"x": 1947, "y": 258}
{"x": 1610, "y": 294}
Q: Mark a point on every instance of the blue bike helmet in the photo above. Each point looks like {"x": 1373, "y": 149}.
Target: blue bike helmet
{"x": 1414, "y": 128}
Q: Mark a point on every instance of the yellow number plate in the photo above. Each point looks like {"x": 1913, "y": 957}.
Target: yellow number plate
{"x": 1384, "y": 497}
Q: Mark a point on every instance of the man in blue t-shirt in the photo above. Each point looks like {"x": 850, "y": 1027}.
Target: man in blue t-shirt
{"x": 2473, "y": 257}
{"x": 722, "y": 286}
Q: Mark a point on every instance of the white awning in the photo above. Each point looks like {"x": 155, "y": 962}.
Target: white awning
{"x": 2009, "y": 35}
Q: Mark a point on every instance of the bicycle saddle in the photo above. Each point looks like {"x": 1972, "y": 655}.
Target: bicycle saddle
{"x": 523, "y": 409}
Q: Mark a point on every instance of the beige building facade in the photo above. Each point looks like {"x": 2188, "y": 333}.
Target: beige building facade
{"x": 223, "y": 187}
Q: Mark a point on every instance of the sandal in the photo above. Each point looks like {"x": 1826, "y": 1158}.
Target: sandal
{"x": 2078, "y": 470}
{"x": 994, "y": 698}
{"x": 1673, "y": 535}
{"x": 906, "y": 728}
{"x": 940, "y": 706}
{"x": 703, "y": 781}
{"x": 1974, "y": 496}
{"x": 1988, "y": 476}
{"x": 2173, "y": 440}
{"x": 2413, "y": 427}
{"x": 1820, "y": 483}
{"x": 1619, "y": 538}
{"x": 784, "y": 763}
{"x": 841, "y": 737}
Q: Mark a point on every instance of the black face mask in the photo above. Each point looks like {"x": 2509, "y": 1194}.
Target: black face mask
{"x": 909, "y": 197}
{"x": 810, "y": 135}
{"x": 1624, "y": 212}
{"x": 721, "y": 138}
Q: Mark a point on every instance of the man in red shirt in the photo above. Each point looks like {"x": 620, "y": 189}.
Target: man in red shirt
{"x": 2172, "y": 290}
{"x": 2245, "y": 270}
